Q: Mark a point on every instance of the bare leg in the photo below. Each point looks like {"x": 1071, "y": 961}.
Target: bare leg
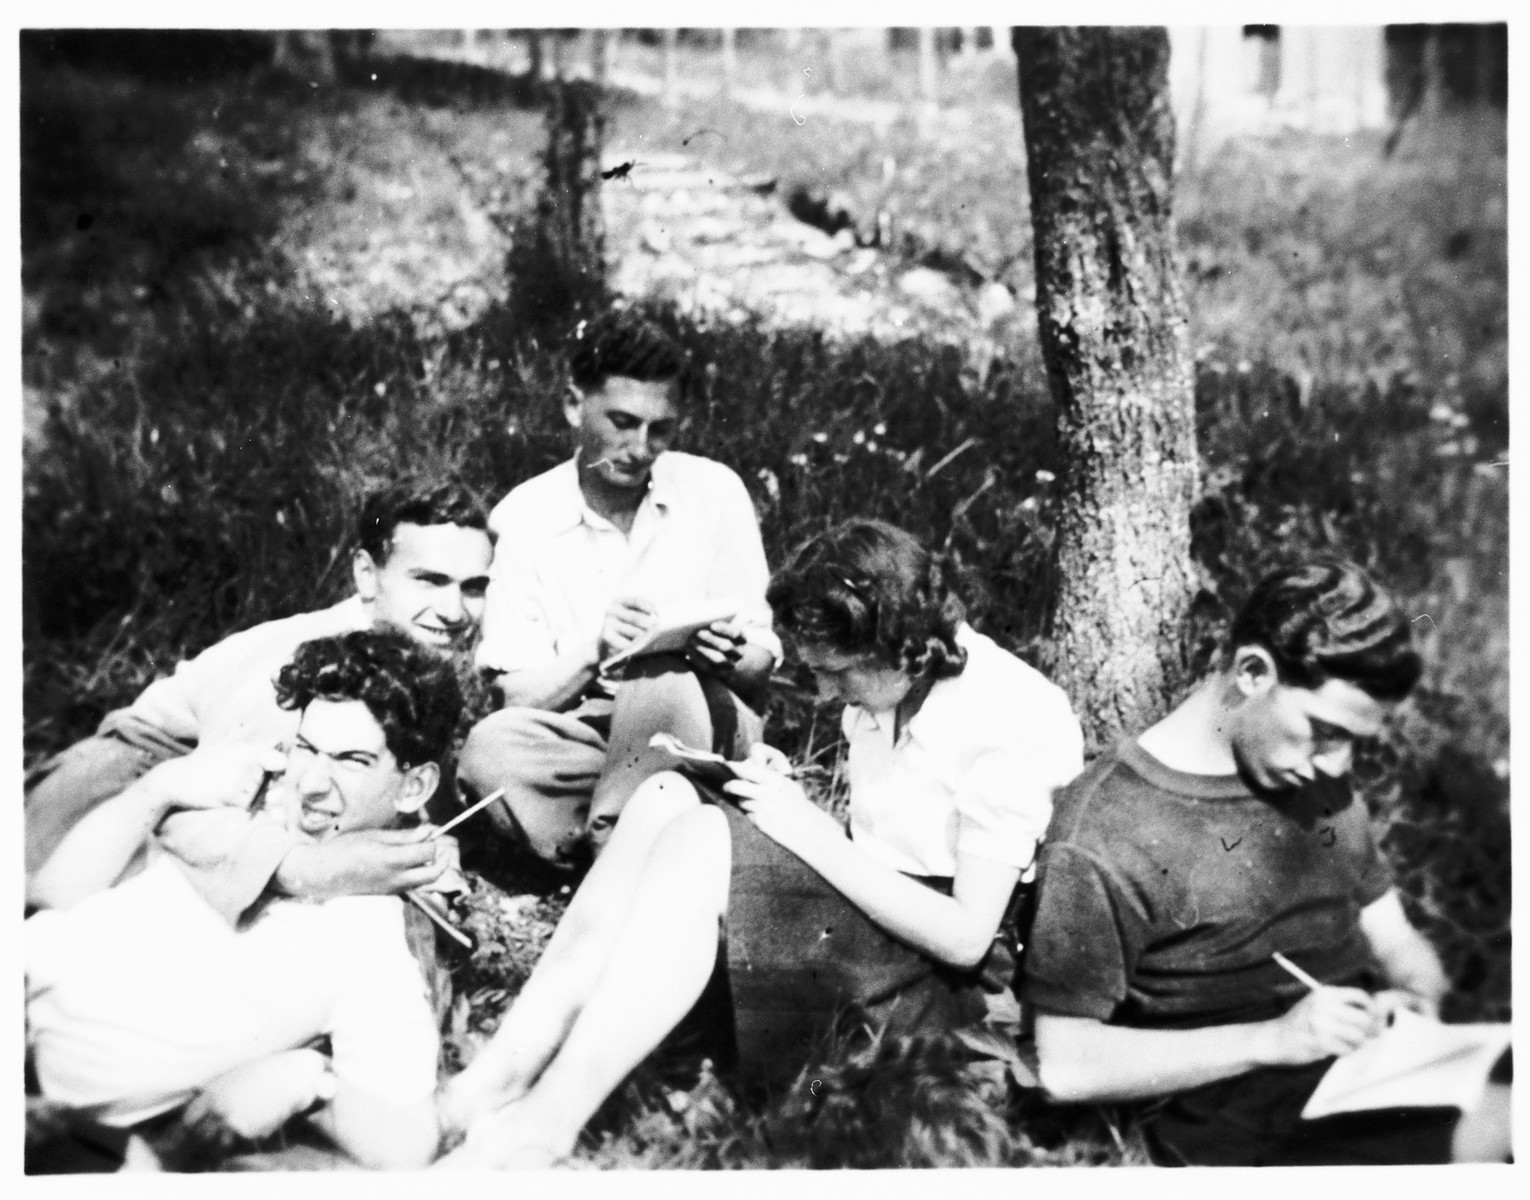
{"x": 540, "y": 1017}
{"x": 672, "y": 702}
{"x": 653, "y": 975}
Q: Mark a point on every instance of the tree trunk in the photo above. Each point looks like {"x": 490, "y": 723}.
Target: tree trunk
{"x": 729, "y": 62}
{"x": 603, "y": 55}
{"x": 557, "y": 256}
{"x": 928, "y": 89}
{"x": 671, "y": 95}
{"x": 829, "y": 71}
{"x": 534, "y": 50}
{"x": 555, "y": 51}
{"x": 1434, "y": 76}
{"x": 1099, "y": 135}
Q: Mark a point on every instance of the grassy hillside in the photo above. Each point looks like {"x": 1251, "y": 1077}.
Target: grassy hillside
{"x": 208, "y": 413}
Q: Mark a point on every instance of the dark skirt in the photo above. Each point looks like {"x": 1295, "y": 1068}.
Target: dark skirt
{"x": 803, "y": 962}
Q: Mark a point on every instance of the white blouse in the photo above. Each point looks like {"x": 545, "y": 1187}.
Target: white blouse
{"x": 973, "y": 771}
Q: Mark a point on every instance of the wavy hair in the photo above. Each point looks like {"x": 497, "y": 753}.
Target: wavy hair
{"x": 1326, "y": 618}
{"x": 622, "y": 342}
{"x": 415, "y": 501}
{"x": 412, "y": 692}
{"x": 869, "y": 588}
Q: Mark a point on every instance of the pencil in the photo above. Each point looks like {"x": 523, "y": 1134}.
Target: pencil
{"x": 463, "y": 816}
{"x": 440, "y": 922}
{"x": 1296, "y": 973}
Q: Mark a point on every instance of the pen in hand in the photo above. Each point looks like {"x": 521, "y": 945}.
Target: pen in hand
{"x": 1296, "y": 973}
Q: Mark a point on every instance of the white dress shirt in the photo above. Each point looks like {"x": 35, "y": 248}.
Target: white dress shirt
{"x": 558, "y": 565}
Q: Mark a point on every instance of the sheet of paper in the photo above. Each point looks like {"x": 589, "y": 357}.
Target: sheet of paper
{"x": 703, "y": 764}
{"x": 673, "y": 629}
{"x": 1416, "y": 1062}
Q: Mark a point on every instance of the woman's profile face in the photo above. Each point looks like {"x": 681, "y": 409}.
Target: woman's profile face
{"x": 859, "y": 679}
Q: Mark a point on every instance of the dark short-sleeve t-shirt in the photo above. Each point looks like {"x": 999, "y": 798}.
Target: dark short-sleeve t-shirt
{"x": 1162, "y": 896}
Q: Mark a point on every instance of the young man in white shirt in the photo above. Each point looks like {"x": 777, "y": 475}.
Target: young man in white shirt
{"x": 140, "y": 997}
{"x": 421, "y": 566}
{"x": 588, "y": 555}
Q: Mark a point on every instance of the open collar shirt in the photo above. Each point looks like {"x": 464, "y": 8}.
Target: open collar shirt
{"x": 558, "y": 565}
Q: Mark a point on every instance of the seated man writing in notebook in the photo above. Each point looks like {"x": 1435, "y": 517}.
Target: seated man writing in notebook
{"x": 421, "y": 566}
{"x": 140, "y": 997}
{"x": 593, "y": 556}
{"x": 1180, "y": 865}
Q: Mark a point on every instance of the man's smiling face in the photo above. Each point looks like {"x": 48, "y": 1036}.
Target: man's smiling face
{"x": 432, "y": 584}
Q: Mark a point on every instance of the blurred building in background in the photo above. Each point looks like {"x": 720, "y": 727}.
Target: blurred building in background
{"x": 1226, "y": 80}
{"x": 1230, "y": 80}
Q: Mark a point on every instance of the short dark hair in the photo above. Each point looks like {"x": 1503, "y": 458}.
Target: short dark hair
{"x": 415, "y": 501}
{"x": 1326, "y": 618}
{"x": 623, "y": 342}
{"x": 412, "y": 692}
{"x": 869, "y": 588}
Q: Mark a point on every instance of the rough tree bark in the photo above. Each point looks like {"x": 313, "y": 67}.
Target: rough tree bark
{"x": 1099, "y": 137}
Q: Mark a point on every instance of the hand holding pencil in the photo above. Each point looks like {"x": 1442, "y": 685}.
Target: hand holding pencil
{"x": 1327, "y": 1021}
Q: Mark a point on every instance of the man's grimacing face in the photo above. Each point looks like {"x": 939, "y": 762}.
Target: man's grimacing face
{"x": 341, "y": 776}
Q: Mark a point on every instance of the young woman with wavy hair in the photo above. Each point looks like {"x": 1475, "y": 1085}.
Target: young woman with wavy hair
{"x": 954, "y": 749}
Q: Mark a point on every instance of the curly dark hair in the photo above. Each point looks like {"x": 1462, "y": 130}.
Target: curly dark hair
{"x": 1326, "y": 618}
{"x": 412, "y": 692}
{"x": 415, "y": 501}
{"x": 869, "y": 588}
{"x": 623, "y": 342}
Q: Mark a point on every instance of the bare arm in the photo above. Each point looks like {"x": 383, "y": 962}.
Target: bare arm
{"x": 94, "y": 854}
{"x": 1082, "y": 1059}
{"x": 1408, "y": 960}
{"x": 956, "y": 929}
{"x": 366, "y": 862}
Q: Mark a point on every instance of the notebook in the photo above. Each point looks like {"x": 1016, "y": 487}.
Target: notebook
{"x": 1415, "y": 1062}
{"x": 673, "y": 630}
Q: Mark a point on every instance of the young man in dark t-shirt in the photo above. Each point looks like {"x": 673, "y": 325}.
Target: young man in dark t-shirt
{"x": 1179, "y": 864}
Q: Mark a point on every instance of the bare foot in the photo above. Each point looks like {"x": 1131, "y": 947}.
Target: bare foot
{"x": 503, "y": 1141}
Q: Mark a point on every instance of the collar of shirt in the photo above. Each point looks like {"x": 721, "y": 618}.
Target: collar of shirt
{"x": 573, "y": 510}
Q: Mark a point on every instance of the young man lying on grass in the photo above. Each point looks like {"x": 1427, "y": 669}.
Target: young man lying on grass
{"x": 1177, "y": 868}
{"x": 421, "y": 566}
{"x": 141, "y": 998}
